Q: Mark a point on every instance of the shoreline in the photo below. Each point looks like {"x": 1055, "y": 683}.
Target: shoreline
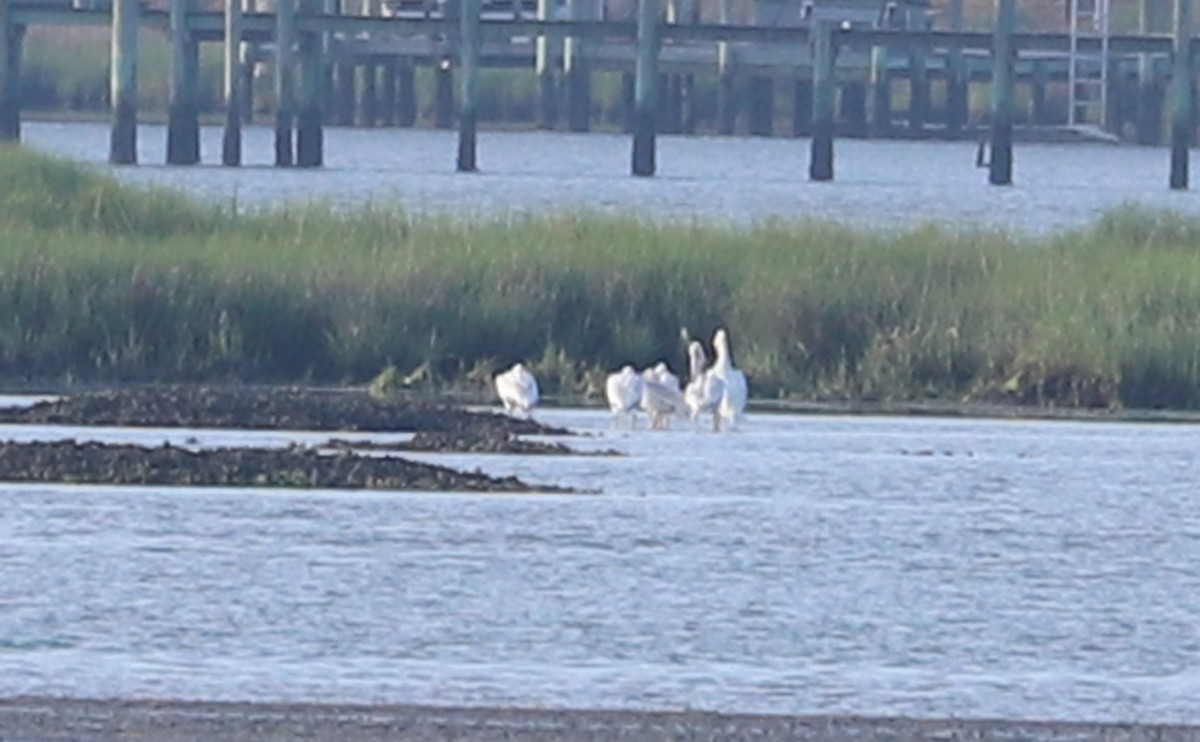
{"x": 50, "y": 718}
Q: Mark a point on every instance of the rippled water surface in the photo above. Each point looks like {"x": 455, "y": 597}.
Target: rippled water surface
{"x": 742, "y": 180}
{"x": 801, "y": 564}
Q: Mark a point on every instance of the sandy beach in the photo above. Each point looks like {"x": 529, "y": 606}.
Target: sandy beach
{"x": 28, "y": 719}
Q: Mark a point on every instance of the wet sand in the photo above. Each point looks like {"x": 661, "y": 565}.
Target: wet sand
{"x": 27, "y": 719}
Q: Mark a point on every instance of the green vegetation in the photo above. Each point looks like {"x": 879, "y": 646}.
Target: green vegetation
{"x": 100, "y": 281}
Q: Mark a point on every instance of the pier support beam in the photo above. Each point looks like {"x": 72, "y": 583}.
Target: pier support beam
{"x": 762, "y": 106}
{"x": 11, "y": 37}
{"x": 231, "y": 140}
{"x": 1182, "y": 114}
{"x": 368, "y": 89}
{"x": 854, "y": 108}
{"x": 1148, "y": 125}
{"x": 820, "y": 165}
{"x": 443, "y": 104}
{"x": 726, "y": 95}
{"x": 123, "y": 82}
{"x": 246, "y": 53}
{"x": 544, "y": 67}
{"x": 646, "y": 87}
{"x": 183, "y": 113}
{"x": 881, "y": 92}
{"x": 468, "y": 84}
{"x": 387, "y": 97}
{"x": 802, "y": 111}
{"x": 285, "y": 82}
{"x": 577, "y": 73}
{"x": 956, "y": 75}
{"x": 1003, "y": 53}
{"x": 406, "y": 115}
{"x": 1038, "y": 113}
{"x": 918, "y": 87}
{"x": 310, "y": 134}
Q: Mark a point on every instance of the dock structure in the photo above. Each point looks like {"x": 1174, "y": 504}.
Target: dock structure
{"x": 338, "y": 62}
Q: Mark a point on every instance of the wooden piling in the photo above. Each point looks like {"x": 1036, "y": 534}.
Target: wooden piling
{"x": 544, "y": 68}
{"x": 310, "y": 134}
{"x": 956, "y": 75}
{"x": 468, "y": 84}
{"x": 344, "y": 95}
{"x": 406, "y": 114}
{"x": 820, "y": 166}
{"x": 368, "y": 94}
{"x": 1000, "y": 166}
{"x": 881, "y": 92}
{"x": 576, "y": 72}
{"x": 726, "y": 95}
{"x": 802, "y": 111}
{"x": 1182, "y": 113}
{"x": 443, "y": 105}
{"x": 231, "y": 140}
{"x": 918, "y": 86}
{"x": 628, "y": 101}
{"x": 854, "y": 108}
{"x": 762, "y": 106}
{"x": 285, "y": 85}
{"x": 11, "y": 37}
{"x": 123, "y": 82}
{"x": 246, "y": 57}
{"x": 1148, "y": 125}
{"x": 1038, "y": 113}
{"x": 183, "y": 111}
{"x": 646, "y": 87}
{"x": 387, "y": 99}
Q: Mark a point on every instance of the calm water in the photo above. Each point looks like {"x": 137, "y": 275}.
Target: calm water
{"x": 801, "y": 564}
{"x": 742, "y": 180}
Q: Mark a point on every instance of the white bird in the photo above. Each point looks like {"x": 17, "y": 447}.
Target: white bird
{"x": 518, "y": 390}
{"x": 733, "y": 401}
{"x": 623, "y": 390}
{"x": 705, "y": 389}
{"x": 661, "y": 396}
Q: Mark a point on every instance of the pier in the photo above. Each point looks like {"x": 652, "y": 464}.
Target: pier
{"x": 333, "y": 63}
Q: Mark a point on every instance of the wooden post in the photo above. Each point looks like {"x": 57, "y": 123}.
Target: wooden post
{"x": 1149, "y": 95}
{"x": 183, "y": 113}
{"x": 881, "y": 92}
{"x": 285, "y": 85}
{"x": 956, "y": 75}
{"x": 802, "y": 111}
{"x": 231, "y": 141}
{"x": 407, "y": 92}
{"x": 762, "y": 106}
{"x": 246, "y": 56}
{"x": 1182, "y": 115}
{"x": 854, "y": 108}
{"x": 687, "y": 104}
{"x": 443, "y": 109}
{"x": 123, "y": 83}
{"x": 11, "y": 37}
{"x": 387, "y": 101}
{"x": 343, "y": 92}
{"x": 646, "y": 87}
{"x": 1000, "y": 166}
{"x": 368, "y": 103}
{"x": 726, "y": 95}
{"x": 820, "y": 166}
{"x": 670, "y": 110}
{"x": 1041, "y": 76}
{"x": 628, "y": 101}
{"x": 468, "y": 84}
{"x": 577, "y": 73}
{"x": 310, "y": 134}
{"x": 918, "y": 87}
{"x": 545, "y": 64}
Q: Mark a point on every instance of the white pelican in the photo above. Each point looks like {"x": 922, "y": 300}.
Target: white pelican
{"x": 733, "y": 401}
{"x": 518, "y": 390}
{"x": 623, "y": 390}
{"x": 704, "y": 390}
{"x": 661, "y": 396}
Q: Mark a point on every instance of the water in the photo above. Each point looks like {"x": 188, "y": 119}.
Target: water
{"x": 801, "y": 564}
{"x": 739, "y": 180}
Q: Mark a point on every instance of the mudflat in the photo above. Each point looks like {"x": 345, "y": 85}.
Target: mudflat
{"x": 53, "y": 719}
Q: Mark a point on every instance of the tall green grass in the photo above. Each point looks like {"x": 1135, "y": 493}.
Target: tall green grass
{"x": 102, "y": 281}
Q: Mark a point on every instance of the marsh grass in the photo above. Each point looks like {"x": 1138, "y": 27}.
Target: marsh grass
{"x": 103, "y": 281}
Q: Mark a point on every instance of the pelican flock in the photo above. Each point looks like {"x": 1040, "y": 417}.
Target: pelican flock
{"x": 719, "y": 390}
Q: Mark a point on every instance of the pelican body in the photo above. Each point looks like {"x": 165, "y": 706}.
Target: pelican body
{"x": 661, "y": 396}
{"x": 733, "y": 400}
{"x": 705, "y": 389}
{"x": 623, "y": 390}
{"x": 518, "y": 390}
